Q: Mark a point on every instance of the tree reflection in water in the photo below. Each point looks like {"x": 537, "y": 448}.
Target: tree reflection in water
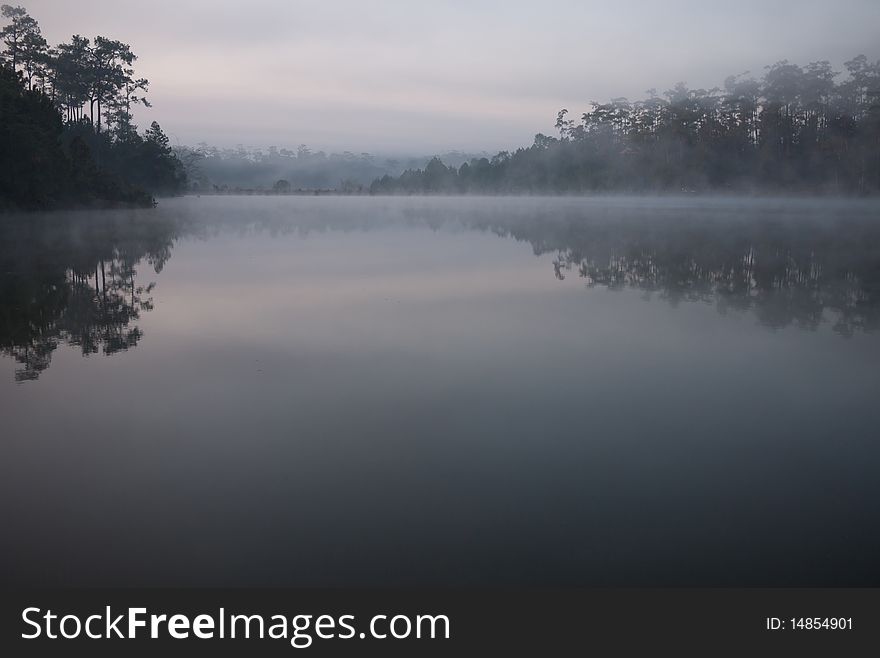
{"x": 786, "y": 268}
{"x": 73, "y": 279}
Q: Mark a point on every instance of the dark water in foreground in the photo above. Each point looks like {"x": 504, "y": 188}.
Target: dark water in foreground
{"x": 439, "y": 391}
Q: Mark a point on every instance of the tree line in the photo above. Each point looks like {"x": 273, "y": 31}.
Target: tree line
{"x": 796, "y": 128}
{"x": 67, "y": 126}
{"x": 211, "y": 169}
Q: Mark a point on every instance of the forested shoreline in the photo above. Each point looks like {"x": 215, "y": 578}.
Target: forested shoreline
{"x": 795, "y": 130}
{"x": 67, "y": 138}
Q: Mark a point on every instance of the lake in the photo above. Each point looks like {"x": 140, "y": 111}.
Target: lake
{"x": 440, "y": 391}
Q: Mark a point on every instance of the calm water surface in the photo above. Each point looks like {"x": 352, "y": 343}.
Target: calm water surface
{"x": 357, "y": 391}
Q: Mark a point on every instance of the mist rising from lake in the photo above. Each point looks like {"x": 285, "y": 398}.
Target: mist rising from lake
{"x": 348, "y": 391}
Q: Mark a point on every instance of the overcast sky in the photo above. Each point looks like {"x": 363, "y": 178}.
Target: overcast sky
{"x": 419, "y": 77}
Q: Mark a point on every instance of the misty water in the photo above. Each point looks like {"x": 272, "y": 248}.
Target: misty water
{"x": 369, "y": 391}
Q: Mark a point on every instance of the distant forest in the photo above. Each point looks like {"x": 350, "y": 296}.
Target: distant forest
{"x": 235, "y": 170}
{"x": 796, "y": 129}
{"x": 66, "y": 131}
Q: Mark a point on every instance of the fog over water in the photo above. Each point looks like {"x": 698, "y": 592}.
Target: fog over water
{"x": 314, "y": 391}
